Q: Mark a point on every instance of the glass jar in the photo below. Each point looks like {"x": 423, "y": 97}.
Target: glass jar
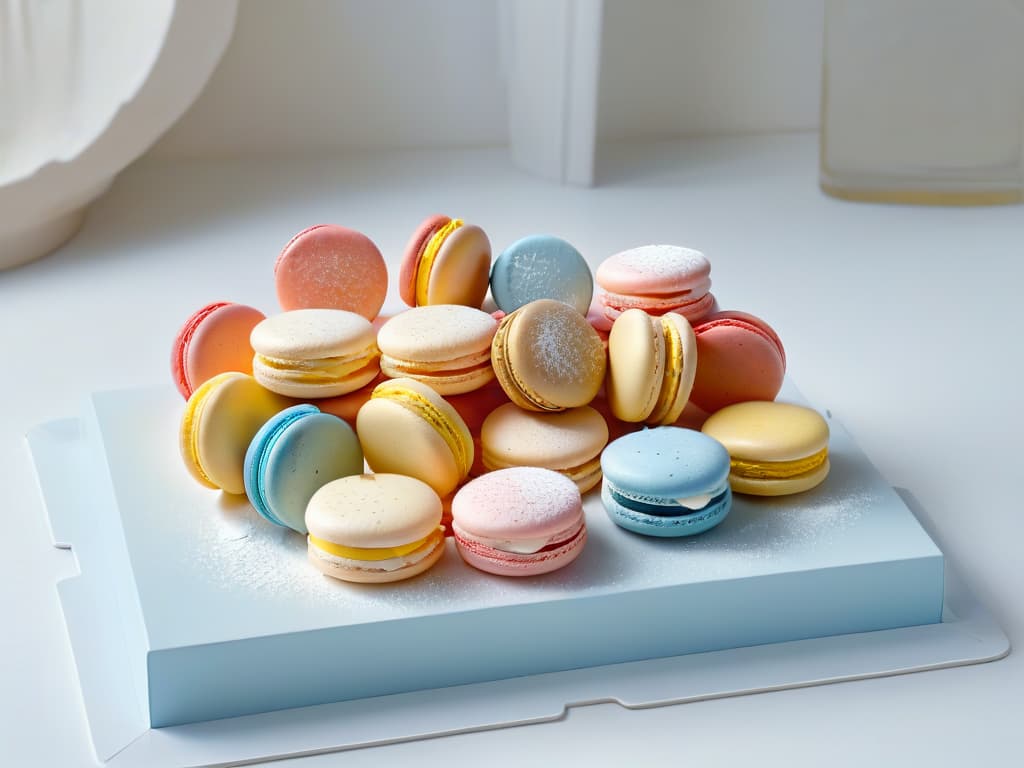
{"x": 923, "y": 101}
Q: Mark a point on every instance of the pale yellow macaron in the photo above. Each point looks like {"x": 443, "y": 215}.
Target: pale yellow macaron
{"x": 312, "y": 353}
{"x": 775, "y": 449}
{"x": 569, "y": 442}
{"x": 220, "y": 420}
{"x": 374, "y": 528}
{"x": 408, "y": 429}
{"x": 652, "y": 363}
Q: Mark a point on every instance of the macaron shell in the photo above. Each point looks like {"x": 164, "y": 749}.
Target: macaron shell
{"x": 666, "y": 526}
{"x": 541, "y": 267}
{"x": 413, "y": 253}
{"x": 768, "y": 431}
{"x": 571, "y": 438}
{"x": 547, "y": 357}
{"x": 437, "y": 333}
{"x": 310, "y": 452}
{"x": 373, "y": 511}
{"x": 461, "y": 269}
{"x": 655, "y": 270}
{"x": 369, "y": 575}
{"x": 312, "y": 334}
{"x": 398, "y": 439}
{"x": 780, "y": 486}
{"x": 740, "y": 359}
{"x": 665, "y": 463}
{"x": 501, "y": 563}
{"x": 636, "y": 365}
{"x": 234, "y": 407}
{"x": 328, "y": 266}
{"x": 220, "y": 343}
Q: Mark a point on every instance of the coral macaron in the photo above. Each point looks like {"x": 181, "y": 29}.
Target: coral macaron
{"x": 311, "y": 353}
{"x": 447, "y": 346}
{"x": 215, "y": 339}
{"x": 220, "y": 420}
{"x": 656, "y": 279}
{"x": 446, "y": 262}
{"x": 775, "y": 448}
{"x": 293, "y": 454}
{"x": 374, "y": 528}
{"x": 547, "y": 357}
{"x": 522, "y": 521}
{"x": 408, "y": 429}
{"x": 652, "y": 362}
{"x": 741, "y": 358}
{"x": 331, "y": 267}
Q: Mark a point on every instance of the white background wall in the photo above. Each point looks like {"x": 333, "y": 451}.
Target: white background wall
{"x": 310, "y": 74}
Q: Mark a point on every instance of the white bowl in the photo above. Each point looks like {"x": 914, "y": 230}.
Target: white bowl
{"x": 86, "y": 89}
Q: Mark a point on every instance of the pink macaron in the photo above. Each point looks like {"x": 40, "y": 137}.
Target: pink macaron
{"x": 739, "y": 358}
{"x": 215, "y": 339}
{"x": 331, "y": 267}
{"x": 656, "y": 279}
{"x": 521, "y": 521}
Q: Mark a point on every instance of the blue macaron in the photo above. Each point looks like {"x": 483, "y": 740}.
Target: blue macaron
{"x": 541, "y": 267}
{"x": 666, "y": 482}
{"x": 292, "y": 455}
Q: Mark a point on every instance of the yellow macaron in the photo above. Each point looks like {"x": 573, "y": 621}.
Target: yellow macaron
{"x": 220, "y": 420}
{"x": 775, "y": 449}
{"x": 408, "y": 429}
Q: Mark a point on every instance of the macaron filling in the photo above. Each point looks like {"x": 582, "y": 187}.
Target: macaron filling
{"x": 377, "y": 558}
{"x": 426, "y": 260}
{"x": 666, "y": 507}
{"x": 326, "y": 370}
{"x": 190, "y": 427}
{"x": 578, "y": 474}
{"x": 673, "y": 371}
{"x": 426, "y": 410}
{"x": 778, "y": 470}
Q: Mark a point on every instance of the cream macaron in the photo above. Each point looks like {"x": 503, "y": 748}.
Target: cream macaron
{"x": 313, "y": 353}
{"x": 775, "y": 449}
{"x": 407, "y": 428}
{"x": 374, "y": 528}
{"x": 569, "y": 442}
{"x": 652, "y": 363}
{"x": 447, "y": 346}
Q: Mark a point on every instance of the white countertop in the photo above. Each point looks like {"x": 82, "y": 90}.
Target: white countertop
{"x": 902, "y": 321}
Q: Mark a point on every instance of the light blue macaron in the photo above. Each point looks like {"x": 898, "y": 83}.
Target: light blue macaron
{"x": 292, "y": 455}
{"x": 541, "y": 267}
{"x": 666, "y": 481}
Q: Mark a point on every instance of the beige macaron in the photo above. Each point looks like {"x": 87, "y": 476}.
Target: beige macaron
{"x": 311, "y": 353}
{"x": 547, "y": 357}
{"x": 446, "y": 346}
{"x": 407, "y": 428}
{"x": 652, "y": 363}
{"x": 569, "y": 442}
{"x": 374, "y": 528}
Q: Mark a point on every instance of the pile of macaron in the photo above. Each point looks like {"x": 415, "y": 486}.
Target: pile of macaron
{"x": 486, "y": 410}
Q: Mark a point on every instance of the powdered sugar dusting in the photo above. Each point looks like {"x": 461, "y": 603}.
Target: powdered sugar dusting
{"x": 566, "y": 347}
{"x": 516, "y": 502}
{"x": 662, "y": 260}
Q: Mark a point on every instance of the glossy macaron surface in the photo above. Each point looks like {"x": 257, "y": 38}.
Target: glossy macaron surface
{"x": 374, "y": 528}
{"x": 409, "y": 429}
{"x": 775, "y": 448}
{"x": 294, "y": 453}
{"x": 547, "y": 357}
{"x": 219, "y": 422}
{"x": 310, "y": 353}
{"x": 519, "y": 522}
{"x": 541, "y": 267}
{"x": 741, "y": 358}
{"x": 215, "y": 339}
{"x": 331, "y": 267}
